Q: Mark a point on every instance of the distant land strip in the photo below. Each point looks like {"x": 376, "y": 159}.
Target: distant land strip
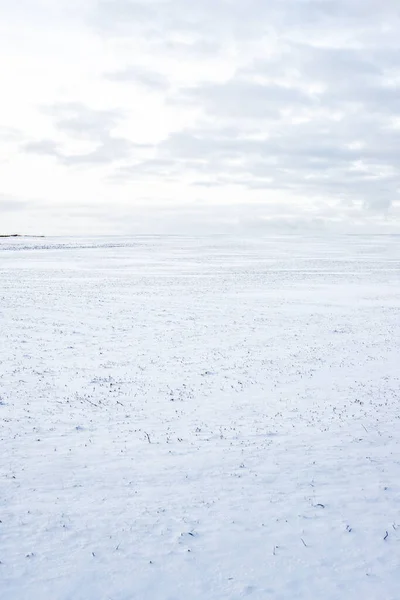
{"x": 13, "y": 235}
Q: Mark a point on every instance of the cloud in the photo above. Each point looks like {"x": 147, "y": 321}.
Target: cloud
{"x": 292, "y": 102}
{"x": 148, "y": 79}
{"x": 83, "y": 123}
{"x": 12, "y": 204}
{"x": 250, "y": 100}
{"x": 313, "y": 117}
{"x": 110, "y": 150}
{"x": 213, "y": 20}
{"x": 10, "y": 134}
{"x": 305, "y": 159}
{"x": 42, "y": 147}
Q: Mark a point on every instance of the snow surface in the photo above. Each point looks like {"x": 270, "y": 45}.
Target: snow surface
{"x": 200, "y": 418}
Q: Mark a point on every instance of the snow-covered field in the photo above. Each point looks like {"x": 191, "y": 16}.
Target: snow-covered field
{"x": 200, "y": 418}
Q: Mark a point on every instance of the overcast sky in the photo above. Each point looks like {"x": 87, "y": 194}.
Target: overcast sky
{"x": 120, "y": 116}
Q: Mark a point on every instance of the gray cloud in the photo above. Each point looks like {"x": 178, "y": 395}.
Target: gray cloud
{"x": 42, "y": 147}
{"x": 81, "y": 122}
{"x": 305, "y": 100}
{"x": 314, "y": 120}
{"x": 251, "y": 100}
{"x": 12, "y": 204}
{"x": 111, "y": 149}
{"x": 149, "y": 79}
{"x": 194, "y": 49}
{"x": 306, "y": 159}
{"x": 221, "y": 20}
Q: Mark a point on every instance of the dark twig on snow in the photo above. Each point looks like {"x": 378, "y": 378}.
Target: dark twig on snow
{"x": 303, "y": 542}
{"x": 386, "y": 535}
{"x": 148, "y": 437}
{"x": 92, "y": 403}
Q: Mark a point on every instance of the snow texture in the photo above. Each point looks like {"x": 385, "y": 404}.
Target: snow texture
{"x": 200, "y": 418}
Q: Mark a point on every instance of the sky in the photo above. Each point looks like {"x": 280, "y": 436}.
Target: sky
{"x": 184, "y": 116}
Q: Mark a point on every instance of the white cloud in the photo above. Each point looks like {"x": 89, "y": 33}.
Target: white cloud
{"x": 127, "y": 115}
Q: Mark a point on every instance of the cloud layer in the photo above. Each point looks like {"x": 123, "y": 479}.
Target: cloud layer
{"x": 283, "y": 112}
